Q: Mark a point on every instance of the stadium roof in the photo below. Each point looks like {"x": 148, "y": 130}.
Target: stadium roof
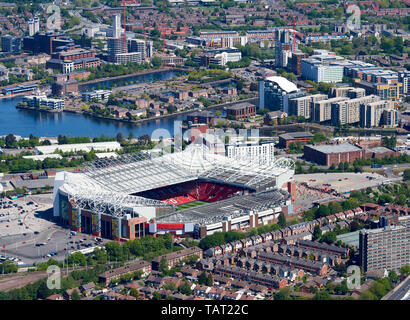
{"x": 233, "y": 207}
{"x": 108, "y": 184}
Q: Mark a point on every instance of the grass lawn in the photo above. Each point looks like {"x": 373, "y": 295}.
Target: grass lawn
{"x": 190, "y": 205}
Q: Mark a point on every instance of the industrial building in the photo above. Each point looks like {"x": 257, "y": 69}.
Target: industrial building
{"x": 328, "y": 154}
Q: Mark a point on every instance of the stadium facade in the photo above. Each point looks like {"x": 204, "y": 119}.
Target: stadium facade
{"x": 193, "y": 191}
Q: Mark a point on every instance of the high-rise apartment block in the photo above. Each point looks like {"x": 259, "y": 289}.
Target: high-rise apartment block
{"x": 386, "y": 248}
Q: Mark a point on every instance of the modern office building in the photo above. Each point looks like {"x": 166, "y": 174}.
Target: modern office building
{"x": 241, "y": 111}
{"x": 386, "y": 248}
{"x": 323, "y": 68}
{"x": 10, "y": 44}
{"x": 275, "y": 92}
{"x": 141, "y": 46}
{"x": 218, "y": 57}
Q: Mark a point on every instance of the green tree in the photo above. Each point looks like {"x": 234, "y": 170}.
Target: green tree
{"x": 75, "y": 295}
{"x": 185, "y": 289}
{"x": 156, "y": 61}
{"x": 163, "y": 265}
{"x": 202, "y": 278}
{"x": 282, "y": 220}
{"x": 317, "y": 233}
{"x": 134, "y": 292}
{"x": 210, "y": 280}
{"x": 405, "y": 270}
{"x": 10, "y": 140}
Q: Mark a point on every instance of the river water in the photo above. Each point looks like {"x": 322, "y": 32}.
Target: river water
{"x": 25, "y": 122}
{"x": 42, "y": 124}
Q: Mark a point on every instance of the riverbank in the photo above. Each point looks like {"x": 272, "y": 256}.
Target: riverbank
{"x": 143, "y": 73}
{"x": 19, "y": 106}
{"x": 163, "y": 117}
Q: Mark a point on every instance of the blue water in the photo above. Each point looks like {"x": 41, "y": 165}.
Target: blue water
{"x": 41, "y": 124}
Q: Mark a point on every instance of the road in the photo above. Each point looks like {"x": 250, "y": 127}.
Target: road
{"x": 401, "y": 291}
{"x": 14, "y": 281}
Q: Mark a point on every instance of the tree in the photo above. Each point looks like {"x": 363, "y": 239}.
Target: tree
{"x": 209, "y": 280}
{"x": 394, "y": 278}
{"x": 202, "y": 278}
{"x": 317, "y": 233}
{"x": 282, "y": 220}
{"x": 168, "y": 241}
{"x": 10, "y": 140}
{"x": 163, "y": 265}
{"x": 120, "y": 137}
{"x": 329, "y": 237}
{"x": 185, "y": 289}
{"x": 75, "y": 295}
{"x": 156, "y": 61}
{"x": 405, "y": 270}
{"x": 406, "y": 175}
{"x": 134, "y": 292}
{"x": 323, "y": 211}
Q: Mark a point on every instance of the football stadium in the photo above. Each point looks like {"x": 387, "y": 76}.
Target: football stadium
{"x": 193, "y": 191}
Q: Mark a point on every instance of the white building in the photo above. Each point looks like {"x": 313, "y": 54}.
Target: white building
{"x": 43, "y": 101}
{"x": 263, "y": 150}
{"x": 75, "y": 147}
{"x": 323, "y": 68}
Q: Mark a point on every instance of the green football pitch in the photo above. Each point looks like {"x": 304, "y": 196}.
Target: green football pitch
{"x": 190, "y": 205}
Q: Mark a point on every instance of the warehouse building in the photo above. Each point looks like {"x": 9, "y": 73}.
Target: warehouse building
{"x": 333, "y": 154}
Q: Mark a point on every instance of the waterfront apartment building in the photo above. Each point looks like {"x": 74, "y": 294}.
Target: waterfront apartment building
{"x": 42, "y": 101}
{"x": 347, "y": 92}
{"x": 100, "y": 95}
{"x": 322, "y": 109}
{"x": 302, "y": 106}
{"x": 390, "y": 118}
{"x": 274, "y": 93}
{"x": 385, "y": 248}
{"x": 123, "y": 58}
{"x": 348, "y": 111}
{"x": 371, "y": 113}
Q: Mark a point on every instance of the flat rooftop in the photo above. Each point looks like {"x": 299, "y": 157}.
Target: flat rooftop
{"x": 295, "y": 135}
{"x": 335, "y": 148}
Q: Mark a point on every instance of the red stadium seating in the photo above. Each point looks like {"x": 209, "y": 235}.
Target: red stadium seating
{"x": 192, "y": 191}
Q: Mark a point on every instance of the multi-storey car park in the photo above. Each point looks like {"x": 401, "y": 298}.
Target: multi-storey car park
{"x": 133, "y": 195}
